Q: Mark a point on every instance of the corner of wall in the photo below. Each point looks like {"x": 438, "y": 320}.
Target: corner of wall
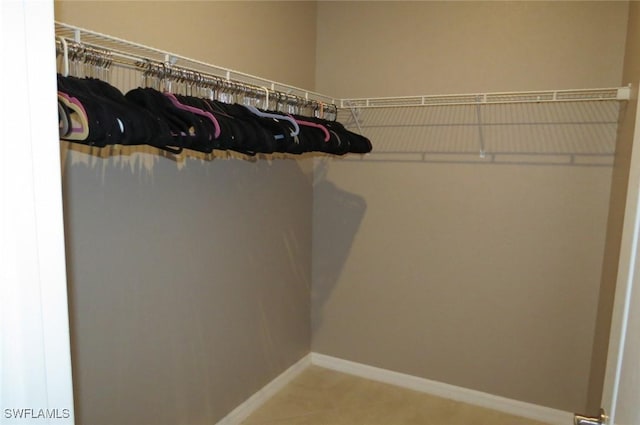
{"x": 617, "y": 204}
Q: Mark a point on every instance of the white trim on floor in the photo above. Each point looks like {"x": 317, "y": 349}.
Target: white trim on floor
{"x": 452, "y": 392}
{"x": 249, "y": 406}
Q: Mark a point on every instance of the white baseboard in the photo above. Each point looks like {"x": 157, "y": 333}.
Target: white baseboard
{"x": 249, "y": 406}
{"x": 452, "y": 392}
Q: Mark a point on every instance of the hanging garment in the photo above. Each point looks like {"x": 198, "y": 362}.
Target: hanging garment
{"x": 113, "y": 119}
{"x": 187, "y": 130}
{"x": 95, "y": 113}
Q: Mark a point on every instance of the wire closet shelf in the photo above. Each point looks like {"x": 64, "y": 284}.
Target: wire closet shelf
{"x": 557, "y": 127}
{"x": 134, "y": 56}
{"x": 553, "y": 127}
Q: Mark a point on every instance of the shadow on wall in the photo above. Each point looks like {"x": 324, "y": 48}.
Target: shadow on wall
{"x": 343, "y": 212}
{"x": 189, "y": 285}
{"x": 143, "y": 157}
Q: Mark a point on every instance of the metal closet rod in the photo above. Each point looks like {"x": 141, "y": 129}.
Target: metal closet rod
{"x": 102, "y": 58}
{"x": 126, "y": 51}
{"x": 140, "y": 57}
{"x": 496, "y": 98}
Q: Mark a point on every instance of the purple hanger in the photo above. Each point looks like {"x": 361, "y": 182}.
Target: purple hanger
{"x": 81, "y": 117}
{"x": 196, "y": 111}
{"x": 327, "y": 136}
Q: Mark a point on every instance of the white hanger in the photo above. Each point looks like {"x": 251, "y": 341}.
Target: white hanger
{"x": 258, "y": 112}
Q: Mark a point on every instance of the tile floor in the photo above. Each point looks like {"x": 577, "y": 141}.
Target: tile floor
{"x": 324, "y": 397}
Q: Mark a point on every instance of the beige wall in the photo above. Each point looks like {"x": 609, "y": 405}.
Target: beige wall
{"x": 189, "y": 281}
{"x": 619, "y": 182}
{"x": 369, "y": 49}
{"x": 274, "y": 40}
{"x": 482, "y": 276}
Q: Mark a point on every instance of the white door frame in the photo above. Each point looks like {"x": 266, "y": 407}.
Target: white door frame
{"x": 36, "y": 383}
{"x": 625, "y": 313}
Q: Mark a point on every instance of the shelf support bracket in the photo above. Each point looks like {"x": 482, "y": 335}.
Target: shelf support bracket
{"x": 624, "y": 93}
{"x": 356, "y": 119}
{"x": 480, "y": 126}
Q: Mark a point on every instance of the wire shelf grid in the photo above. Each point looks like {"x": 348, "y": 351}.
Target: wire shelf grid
{"x": 565, "y": 126}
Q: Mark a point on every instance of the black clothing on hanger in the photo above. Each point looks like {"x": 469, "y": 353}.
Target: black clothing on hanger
{"x": 175, "y": 122}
